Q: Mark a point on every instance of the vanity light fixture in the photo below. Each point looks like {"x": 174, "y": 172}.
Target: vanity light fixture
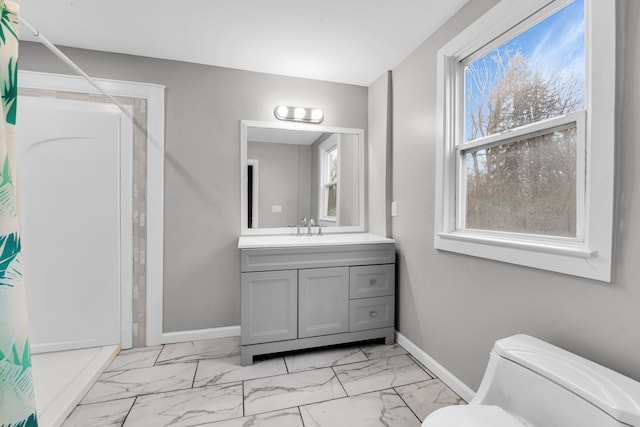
{"x": 298, "y": 114}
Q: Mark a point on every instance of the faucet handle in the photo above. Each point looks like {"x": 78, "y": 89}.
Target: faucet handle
{"x": 319, "y": 228}
{"x": 311, "y": 224}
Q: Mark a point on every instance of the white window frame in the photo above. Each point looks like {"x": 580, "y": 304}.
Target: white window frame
{"x": 590, "y": 253}
{"x": 332, "y": 143}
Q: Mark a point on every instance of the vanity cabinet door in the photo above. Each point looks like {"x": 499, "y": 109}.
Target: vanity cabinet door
{"x": 323, "y": 301}
{"x": 269, "y": 306}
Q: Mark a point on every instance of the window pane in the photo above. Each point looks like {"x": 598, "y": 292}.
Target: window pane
{"x": 333, "y": 164}
{"x": 528, "y": 186}
{"x": 537, "y": 75}
{"x": 332, "y": 197}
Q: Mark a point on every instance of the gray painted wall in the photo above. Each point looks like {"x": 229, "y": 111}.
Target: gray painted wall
{"x": 204, "y": 105}
{"x": 348, "y": 180}
{"x": 280, "y": 176}
{"x": 454, "y": 306}
{"x": 377, "y": 157}
{"x": 304, "y": 183}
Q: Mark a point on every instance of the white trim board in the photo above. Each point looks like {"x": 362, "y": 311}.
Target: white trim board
{"x": 200, "y": 334}
{"x": 440, "y": 371}
{"x": 154, "y": 94}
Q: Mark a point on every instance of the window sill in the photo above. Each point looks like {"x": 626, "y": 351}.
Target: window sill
{"x": 331, "y": 219}
{"x": 559, "y": 255}
{"x": 566, "y": 248}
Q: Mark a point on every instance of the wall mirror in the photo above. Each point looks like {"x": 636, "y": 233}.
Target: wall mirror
{"x": 291, "y": 171}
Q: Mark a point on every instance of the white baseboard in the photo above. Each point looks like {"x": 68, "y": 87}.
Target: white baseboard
{"x": 200, "y": 334}
{"x": 440, "y": 371}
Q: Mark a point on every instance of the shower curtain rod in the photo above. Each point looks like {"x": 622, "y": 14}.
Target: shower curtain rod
{"x": 57, "y": 52}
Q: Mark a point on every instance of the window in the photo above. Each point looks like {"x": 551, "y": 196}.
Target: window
{"x": 329, "y": 185}
{"x": 524, "y": 169}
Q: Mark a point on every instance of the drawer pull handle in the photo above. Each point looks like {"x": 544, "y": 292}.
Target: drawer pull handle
{"x": 372, "y": 282}
{"x": 373, "y": 314}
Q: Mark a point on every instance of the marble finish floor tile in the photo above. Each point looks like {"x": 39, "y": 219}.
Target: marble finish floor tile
{"x": 197, "y": 350}
{"x": 187, "y": 407}
{"x": 379, "y": 374}
{"x": 285, "y": 418}
{"x": 431, "y": 374}
{"x": 104, "y": 414}
{"x": 380, "y": 351}
{"x": 123, "y": 384}
{"x": 286, "y": 391}
{"x": 425, "y": 397}
{"x": 381, "y": 408}
{"x": 143, "y": 357}
{"x": 228, "y": 369}
{"x": 323, "y": 358}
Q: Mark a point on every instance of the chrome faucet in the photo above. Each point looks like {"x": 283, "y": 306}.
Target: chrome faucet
{"x": 304, "y": 224}
{"x": 319, "y": 228}
{"x": 309, "y": 233}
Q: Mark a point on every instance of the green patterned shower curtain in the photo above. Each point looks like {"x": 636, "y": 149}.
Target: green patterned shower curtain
{"x": 17, "y": 401}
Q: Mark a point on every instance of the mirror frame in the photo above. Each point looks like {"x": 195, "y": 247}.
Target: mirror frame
{"x": 245, "y": 230}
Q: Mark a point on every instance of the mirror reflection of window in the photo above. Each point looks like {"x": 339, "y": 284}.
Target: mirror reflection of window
{"x": 330, "y": 172}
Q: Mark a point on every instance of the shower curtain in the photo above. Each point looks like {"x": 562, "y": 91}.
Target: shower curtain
{"x": 17, "y": 401}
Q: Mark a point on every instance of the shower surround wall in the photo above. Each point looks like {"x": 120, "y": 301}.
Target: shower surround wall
{"x": 139, "y": 202}
{"x": 204, "y": 106}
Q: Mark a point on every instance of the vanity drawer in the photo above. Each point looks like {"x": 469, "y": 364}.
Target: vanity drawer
{"x": 372, "y": 281}
{"x": 371, "y": 313}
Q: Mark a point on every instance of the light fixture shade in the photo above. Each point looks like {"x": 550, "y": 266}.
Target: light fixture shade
{"x": 298, "y": 114}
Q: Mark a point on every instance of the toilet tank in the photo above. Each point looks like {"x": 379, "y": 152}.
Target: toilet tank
{"x": 545, "y": 386}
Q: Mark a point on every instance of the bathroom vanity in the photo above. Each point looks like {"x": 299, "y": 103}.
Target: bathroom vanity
{"x": 305, "y": 292}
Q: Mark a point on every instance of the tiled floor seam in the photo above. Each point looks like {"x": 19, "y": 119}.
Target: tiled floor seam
{"x": 340, "y": 382}
{"x": 195, "y": 373}
{"x": 244, "y": 413}
{"x": 301, "y": 418}
{"x": 382, "y": 389}
{"x": 405, "y": 402}
{"x": 424, "y": 368}
{"x": 158, "y": 356}
{"x": 135, "y": 399}
{"x": 141, "y": 395}
{"x": 298, "y": 406}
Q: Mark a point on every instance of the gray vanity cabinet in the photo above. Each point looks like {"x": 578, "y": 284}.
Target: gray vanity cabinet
{"x": 271, "y": 302}
{"x": 305, "y": 297}
{"x": 323, "y": 301}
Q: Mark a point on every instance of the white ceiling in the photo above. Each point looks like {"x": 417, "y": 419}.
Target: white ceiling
{"x": 346, "y": 41}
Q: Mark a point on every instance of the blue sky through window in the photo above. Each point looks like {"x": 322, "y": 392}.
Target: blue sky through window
{"x": 555, "y": 44}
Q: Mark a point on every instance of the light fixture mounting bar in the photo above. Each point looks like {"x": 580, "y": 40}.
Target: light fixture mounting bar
{"x": 298, "y": 114}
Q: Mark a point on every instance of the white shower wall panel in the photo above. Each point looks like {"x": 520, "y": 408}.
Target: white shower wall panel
{"x": 73, "y": 162}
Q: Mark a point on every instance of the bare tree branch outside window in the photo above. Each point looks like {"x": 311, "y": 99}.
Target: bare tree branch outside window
{"x": 526, "y": 186}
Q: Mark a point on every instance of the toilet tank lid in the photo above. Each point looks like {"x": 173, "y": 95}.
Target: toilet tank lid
{"x": 617, "y": 395}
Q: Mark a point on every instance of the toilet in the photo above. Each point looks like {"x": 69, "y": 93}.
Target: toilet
{"x": 532, "y": 383}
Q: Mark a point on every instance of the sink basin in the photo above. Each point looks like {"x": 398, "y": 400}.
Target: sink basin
{"x": 249, "y": 242}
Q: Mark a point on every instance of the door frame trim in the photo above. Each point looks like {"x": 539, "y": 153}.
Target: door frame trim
{"x": 155, "y": 96}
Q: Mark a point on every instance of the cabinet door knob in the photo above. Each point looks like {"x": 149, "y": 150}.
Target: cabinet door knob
{"x": 372, "y": 281}
{"x": 372, "y": 313}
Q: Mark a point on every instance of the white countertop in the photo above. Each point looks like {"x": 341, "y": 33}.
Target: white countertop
{"x": 251, "y": 242}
